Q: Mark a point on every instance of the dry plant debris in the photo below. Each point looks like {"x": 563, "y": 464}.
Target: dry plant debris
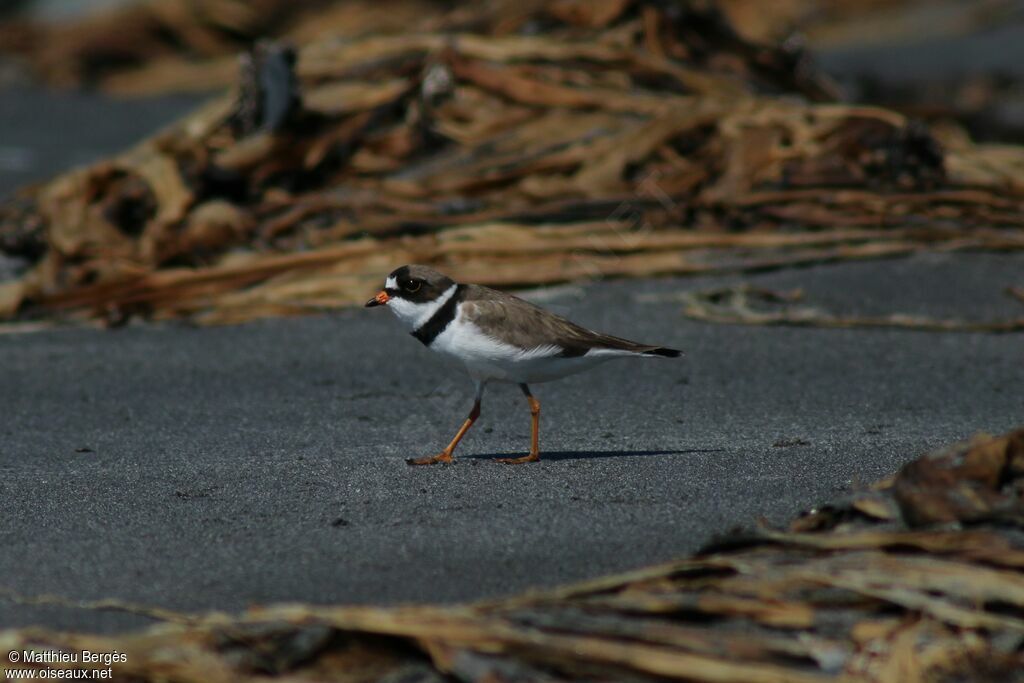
{"x": 916, "y": 579}
{"x": 509, "y": 143}
{"x": 747, "y": 305}
{"x": 187, "y": 45}
{"x": 180, "y": 45}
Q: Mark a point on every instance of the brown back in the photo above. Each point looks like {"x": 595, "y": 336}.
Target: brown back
{"x": 520, "y": 323}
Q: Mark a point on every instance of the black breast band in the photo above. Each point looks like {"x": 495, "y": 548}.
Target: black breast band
{"x": 438, "y": 323}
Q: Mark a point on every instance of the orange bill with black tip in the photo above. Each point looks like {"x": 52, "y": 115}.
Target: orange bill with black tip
{"x": 379, "y": 300}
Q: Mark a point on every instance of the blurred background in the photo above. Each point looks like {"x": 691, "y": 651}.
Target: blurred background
{"x": 728, "y": 176}
{"x": 330, "y": 121}
{"x": 957, "y": 59}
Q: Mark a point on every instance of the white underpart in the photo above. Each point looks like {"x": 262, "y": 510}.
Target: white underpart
{"x": 487, "y": 358}
{"x": 414, "y": 315}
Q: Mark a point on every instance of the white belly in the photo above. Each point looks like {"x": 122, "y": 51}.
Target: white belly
{"x": 486, "y": 358}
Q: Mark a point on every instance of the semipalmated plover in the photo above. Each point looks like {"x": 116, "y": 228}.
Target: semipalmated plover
{"x": 498, "y": 337}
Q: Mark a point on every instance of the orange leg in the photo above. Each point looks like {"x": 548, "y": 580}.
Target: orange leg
{"x": 534, "y": 455}
{"x": 445, "y": 456}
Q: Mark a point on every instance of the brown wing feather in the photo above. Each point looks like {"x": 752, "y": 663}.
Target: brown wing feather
{"x": 521, "y": 323}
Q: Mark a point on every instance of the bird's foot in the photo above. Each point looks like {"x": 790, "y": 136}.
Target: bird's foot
{"x": 442, "y": 457}
{"x": 532, "y": 457}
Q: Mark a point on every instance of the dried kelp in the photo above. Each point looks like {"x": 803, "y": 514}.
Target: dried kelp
{"x": 187, "y": 45}
{"x": 158, "y": 34}
{"x": 746, "y": 305}
{"x": 509, "y": 143}
{"x": 166, "y": 45}
{"x": 918, "y": 578}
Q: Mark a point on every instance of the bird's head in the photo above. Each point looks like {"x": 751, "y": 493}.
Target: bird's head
{"x": 414, "y": 293}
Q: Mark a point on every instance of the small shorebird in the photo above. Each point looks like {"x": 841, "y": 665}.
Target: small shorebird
{"x": 498, "y": 337}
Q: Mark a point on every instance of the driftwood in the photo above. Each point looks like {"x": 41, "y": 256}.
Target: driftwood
{"x": 506, "y": 142}
{"x": 918, "y": 578}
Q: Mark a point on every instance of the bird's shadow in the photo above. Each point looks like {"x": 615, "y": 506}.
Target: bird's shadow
{"x": 586, "y": 455}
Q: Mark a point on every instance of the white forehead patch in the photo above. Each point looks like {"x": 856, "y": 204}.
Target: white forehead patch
{"x": 415, "y": 315}
{"x": 391, "y": 283}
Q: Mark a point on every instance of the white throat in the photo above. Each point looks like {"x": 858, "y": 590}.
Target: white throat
{"x": 414, "y": 315}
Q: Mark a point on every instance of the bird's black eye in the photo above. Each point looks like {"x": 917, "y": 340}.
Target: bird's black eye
{"x": 412, "y": 285}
